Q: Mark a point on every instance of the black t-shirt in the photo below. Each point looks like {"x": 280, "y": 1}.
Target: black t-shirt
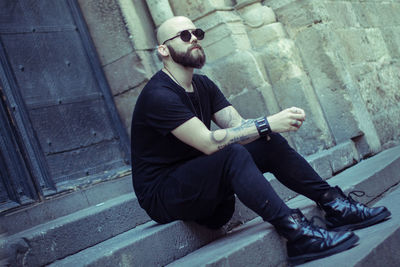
{"x": 161, "y": 107}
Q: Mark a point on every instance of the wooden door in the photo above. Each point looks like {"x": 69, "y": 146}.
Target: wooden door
{"x": 57, "y": 98}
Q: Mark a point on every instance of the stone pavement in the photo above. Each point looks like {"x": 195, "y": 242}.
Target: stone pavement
{"x": 254, "y": 243}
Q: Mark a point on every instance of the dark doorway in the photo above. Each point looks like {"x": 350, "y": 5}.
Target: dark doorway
{"x": 60, "y": 122}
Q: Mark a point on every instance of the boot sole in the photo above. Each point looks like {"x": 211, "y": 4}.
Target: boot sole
{"x": 374, "y": 220}
{"x": 345, "y": 245}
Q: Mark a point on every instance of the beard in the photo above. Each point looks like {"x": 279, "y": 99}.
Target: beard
{"x": 188, "y": 59}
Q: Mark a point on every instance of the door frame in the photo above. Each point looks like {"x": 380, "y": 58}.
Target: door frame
{"x": 41, "y": 184}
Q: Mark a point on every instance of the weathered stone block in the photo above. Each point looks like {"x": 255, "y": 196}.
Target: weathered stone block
{"x": 320, "y": 163}
{"x": 138, "y": 23}
{"x": 275, "y": 4}
{"x": 255, "y": 15}
{"x": 198, "y": 8}
{"x": 259, "y": 37}
{"x": 362, "y": 147}
{"x": 225, "y": 34}
{"x": 269, "y": 98}
{"x": 235, "y": 73}
{"x": 222, "y": 31}
{"x": 377, "y": 14}
{"x": 324, "y": 64}
{"x": 281, "y": 60}
{"x": 341, "y": 14}
{"x": 250, "y": 104}
{"x": 313, "y": 136}
{"x": 227, "y": 46}
{"x": 160, "y": 11}
{"x": 300, "y": 14}
{"x": 328, "y": 162}
{"x": 292, "y": 88}
{"x": 216, "y": 18}
{"x": 379, "y": 87}
{"x": 363, "y": 45}
{"x": 391, "y": 36}
{"x": 343, "y": 156}
{"x": 125, "y": 104}
{"x": 125, "y": 73}
{"x": 107, "y": 29}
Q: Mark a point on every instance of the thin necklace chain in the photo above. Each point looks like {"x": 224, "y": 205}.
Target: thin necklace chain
{"x": 195, "y": 91}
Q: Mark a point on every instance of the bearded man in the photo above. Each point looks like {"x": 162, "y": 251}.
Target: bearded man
{"x": 183, "y": 170}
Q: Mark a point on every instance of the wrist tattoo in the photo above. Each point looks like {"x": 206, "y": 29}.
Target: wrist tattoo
{"x": 226, "y": 137}
{"x": 234, "y": 140}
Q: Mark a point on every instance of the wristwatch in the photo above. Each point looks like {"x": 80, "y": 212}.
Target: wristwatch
{"x": 262, "y": 126}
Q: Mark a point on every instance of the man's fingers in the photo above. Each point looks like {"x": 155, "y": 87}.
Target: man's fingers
{"x": 300, "y": 117}
{"x": 296, "y": 110}
{"x": 296, "y": 123}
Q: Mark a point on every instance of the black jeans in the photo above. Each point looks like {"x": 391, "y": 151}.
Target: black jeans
{"x": 203, "y": 188}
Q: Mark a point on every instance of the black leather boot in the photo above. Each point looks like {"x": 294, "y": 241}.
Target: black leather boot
{"x": 306, "y": 242}
{"x": 344, "y": 213}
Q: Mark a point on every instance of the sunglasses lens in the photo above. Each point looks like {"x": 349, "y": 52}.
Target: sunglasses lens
{"x": 199, "y": 33}
{"x": 186, "y": 35}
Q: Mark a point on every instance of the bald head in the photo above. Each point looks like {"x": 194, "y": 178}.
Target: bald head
{"x": 172, "y": 27}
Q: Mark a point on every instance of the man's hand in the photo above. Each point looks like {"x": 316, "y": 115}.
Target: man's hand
{"x": 287, "y": 120}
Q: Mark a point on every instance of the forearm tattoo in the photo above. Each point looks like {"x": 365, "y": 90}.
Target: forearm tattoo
{"x": 229, "y": 119}
{"x": 241, "y": 133}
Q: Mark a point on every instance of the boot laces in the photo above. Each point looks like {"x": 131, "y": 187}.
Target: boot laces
{"x": 309, "y": 224}
{"x": 357, "y": 193}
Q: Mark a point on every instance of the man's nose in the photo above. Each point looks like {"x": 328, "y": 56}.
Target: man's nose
{"x": 193, "y": 38}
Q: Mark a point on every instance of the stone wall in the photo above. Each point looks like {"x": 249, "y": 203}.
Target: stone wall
{"x": 338, "y": 60}
{"x": 350, "y": 50}
{"x": 123, "y": 34}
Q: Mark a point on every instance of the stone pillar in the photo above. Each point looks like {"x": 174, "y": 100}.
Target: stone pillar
{"x": 123, "y": 35}
{"x": 331, "y": 42}
{"x": 160, "y": 11}
{"x": 283, "y": 67}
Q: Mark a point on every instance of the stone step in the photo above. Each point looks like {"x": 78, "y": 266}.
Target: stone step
{"x": 85, "y": 228}
{"x": 152, "y": 244}
{"x": 61, "y": 205}
{"x": 30, "y": 237}
{"x": 378, "y": 246}
{"x": 46, "y": 224}
{"x": 257, "y": 244}
{"x": 69, "y": 234}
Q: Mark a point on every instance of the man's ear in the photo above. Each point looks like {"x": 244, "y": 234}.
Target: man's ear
{"x": 163, "y": 50}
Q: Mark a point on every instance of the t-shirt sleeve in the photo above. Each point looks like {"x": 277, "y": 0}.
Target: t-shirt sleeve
{"x": 165, "y": 111}
{"x": 218, "y": 100}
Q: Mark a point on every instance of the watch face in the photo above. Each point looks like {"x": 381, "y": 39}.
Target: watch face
{"x": 262, "y": 126}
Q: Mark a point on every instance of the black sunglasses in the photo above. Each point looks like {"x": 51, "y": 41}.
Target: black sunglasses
{"x": 186, "y": 35}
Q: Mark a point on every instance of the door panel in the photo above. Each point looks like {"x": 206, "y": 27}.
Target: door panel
{"x": 81, "y": 164}
{"x": 35, "y": 12}
{"x": 56, "y": 82}
{"x": 52, "y": 69}
{"x": 70, "y": 126}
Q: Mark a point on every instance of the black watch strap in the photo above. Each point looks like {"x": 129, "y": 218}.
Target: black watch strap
{"x": 262, "y": 126}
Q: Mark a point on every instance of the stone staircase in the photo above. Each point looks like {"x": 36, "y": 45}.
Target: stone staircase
{"x": 116, "y": 232}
